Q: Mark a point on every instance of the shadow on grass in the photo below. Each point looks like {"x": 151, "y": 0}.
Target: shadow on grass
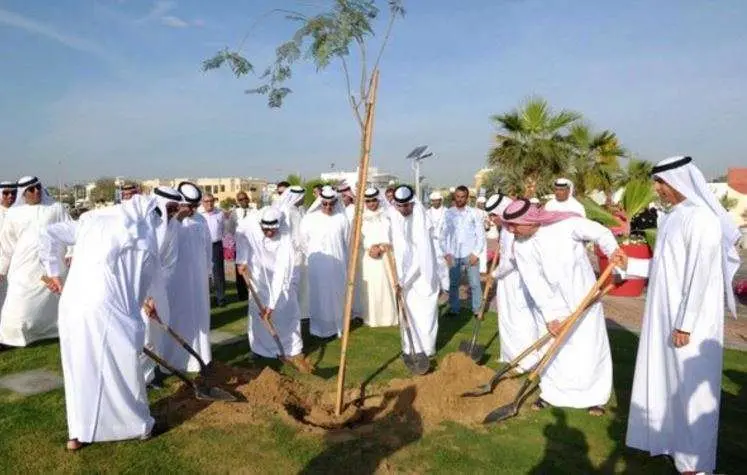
{"x": 365, "y": 449}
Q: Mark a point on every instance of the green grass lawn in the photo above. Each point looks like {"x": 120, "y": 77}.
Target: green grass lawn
{"x": 552, "y": 441}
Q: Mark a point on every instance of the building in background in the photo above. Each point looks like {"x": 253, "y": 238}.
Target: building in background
{"x": 375, "y": 177}
{"x": 221, "y": 188}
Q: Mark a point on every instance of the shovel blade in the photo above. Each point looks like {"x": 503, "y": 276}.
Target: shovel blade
{"x": 502, "y": 413}
{"x": 421, "y": 364}
{"x": 480, "y": 391}
{"x": 478, "y": 351}
{"x": 212, "y": 393}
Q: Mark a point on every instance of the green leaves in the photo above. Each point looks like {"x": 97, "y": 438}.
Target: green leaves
{"x": 637, "y": 196}
{"x": 320, "y": 39}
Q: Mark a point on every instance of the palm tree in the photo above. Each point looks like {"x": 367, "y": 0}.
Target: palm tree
{"x": 531, "y": 143}
{"x": 636, "y": 170}
{"x": 595, "y": 164}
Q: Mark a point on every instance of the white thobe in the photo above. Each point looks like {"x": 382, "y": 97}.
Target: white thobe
{"x": 262, "y": 255}
{"x": 295, "y": 215}
{"x": 29, "y": 312}
{"x": 571, "y": 204}
{"x": 189, "y": 295}
{"x": 358, "y": 306}
{"x": 155, "y": 337}
{"x": 674, "y": 407}
{"x": 325, "y": 241}
{"x": 379, "y": 309}
{"x": 3, "y": 282}
{"x": 556, "y": 272}
{"x": 484, "y": 251}
{"x": 101, "y": 330}
{"x": 420, "y": 294}
{"x": 437, "y": 220}
{"x": 517, "y": 326}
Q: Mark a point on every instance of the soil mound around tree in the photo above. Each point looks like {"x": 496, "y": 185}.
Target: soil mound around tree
{"x": 423, "y": 401}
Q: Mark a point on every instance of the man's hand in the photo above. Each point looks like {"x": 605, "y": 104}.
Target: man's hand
{"x": 54, "y": 284}
{"x": 374, "y": 252}
{"x": 680, "y": 338}
{"x": 266, "y": 314}
{"x": 243, "y": 270}
{"x": 384, "y": 247}
{"x": 449, "y": 260}
{"x": 473, "y": 260}
{"x": 619, "y": 259}
{"x": 182, "y": 213}
{"x": 68, "y": 261}
{"x": 149, "y": 307}
{"x": 554, "y": 327}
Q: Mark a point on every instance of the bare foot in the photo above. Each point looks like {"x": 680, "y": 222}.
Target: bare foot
{"x": 74, "y": 444}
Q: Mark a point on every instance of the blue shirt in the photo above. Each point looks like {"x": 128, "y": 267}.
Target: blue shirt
{"x": 462, "y": 233}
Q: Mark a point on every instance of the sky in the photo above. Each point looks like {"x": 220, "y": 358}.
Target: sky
{"x": 92, "y": 88}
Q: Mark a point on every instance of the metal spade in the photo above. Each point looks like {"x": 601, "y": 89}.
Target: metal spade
{"x": 202, "y": 391}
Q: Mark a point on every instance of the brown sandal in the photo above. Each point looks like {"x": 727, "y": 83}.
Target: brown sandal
{"x": 540, "y": 404}
{"x": 596, "y": 411}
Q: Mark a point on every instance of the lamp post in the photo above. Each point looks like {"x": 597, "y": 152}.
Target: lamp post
{"x": 417, "y": 156}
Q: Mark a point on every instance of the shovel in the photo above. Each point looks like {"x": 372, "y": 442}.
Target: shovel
{"x": 204, "y": 368}
{"x": 303, "y": 365}
{"x": 417, "y": 363}
{"x": 471, "y": 348}
{"x": 203, "y": 392}
{"x": 510, "y": 410}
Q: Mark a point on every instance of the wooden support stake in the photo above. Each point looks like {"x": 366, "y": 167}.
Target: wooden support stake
{"x": 355, "y": 236}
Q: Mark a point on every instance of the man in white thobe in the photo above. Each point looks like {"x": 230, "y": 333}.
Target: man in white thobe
{"x": 9, "y": 190}
{"x": 564, "y": 198}
{"x": 377, "y": 294}
{"x": 265, "y": 252}
{"x": 436, "y": 214}
{"x": 480, "y": 210}
{"x": 291, "y": 205}
{"x": 240, "y": 213}
{"x": 345, "y": 192}
{"x": 417, "y": 271}
{"x": 517, "y": 327}
{"x": 188, "y": 289}
{"x": 29, "y": 312}
{"x": 674, "y": 407}
{"x": 167, "y": 238}
{"x": 325, "y": 231}
{"x": 101, "y": 330}
{"x": 556, "y": 273}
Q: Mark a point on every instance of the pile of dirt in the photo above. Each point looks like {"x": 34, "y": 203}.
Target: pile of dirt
{"x": 429, "y": 399}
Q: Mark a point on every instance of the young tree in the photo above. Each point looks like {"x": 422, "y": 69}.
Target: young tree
{"x": 326, "y": 38}
{"x": 104, "y": 191}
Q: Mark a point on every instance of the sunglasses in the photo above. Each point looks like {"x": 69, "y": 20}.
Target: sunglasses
{"x": 10, "y": 192}
{"x": 328, "y": 204}
{"x": 36, "y": 187}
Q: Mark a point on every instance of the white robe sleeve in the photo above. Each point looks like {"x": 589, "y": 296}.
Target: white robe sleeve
{"x": 52, "y": 242}
{"x": 242, "y": 247}
{"x": 703, "y": 244}
{"x": 8, "y": 239}
{"x": 587, "y": 230}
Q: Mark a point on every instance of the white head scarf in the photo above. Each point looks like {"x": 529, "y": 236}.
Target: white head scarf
{"x": 435, "y": 196}
{"x": 140, "y": 222}
{"x": 686, "y": 178}
{"x": 29, "y": 181}
{"x": 497, "y": 204}
{"x": 327, "y": 193}
{"x": 290, "y": 197}
{"x": 164, "y": 195}
{"x": 422, "y": 243}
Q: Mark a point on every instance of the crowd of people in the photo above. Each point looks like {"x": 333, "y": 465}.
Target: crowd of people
{"x": 106, "y": 282}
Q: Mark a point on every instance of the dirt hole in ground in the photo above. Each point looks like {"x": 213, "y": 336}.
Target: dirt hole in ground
{"x": 426, "y": 400}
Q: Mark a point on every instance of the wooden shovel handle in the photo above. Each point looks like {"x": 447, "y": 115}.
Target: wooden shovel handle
{"x": 488, "y": 285}
{"x": 569, "y": 323}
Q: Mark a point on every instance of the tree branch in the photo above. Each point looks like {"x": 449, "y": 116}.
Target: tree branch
{"x": 351, "y": 98}
{"x": 392, "y": 17}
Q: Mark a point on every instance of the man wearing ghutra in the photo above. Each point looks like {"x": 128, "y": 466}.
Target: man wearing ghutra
{"x": 325, "y": 231}
{"x": 416, "y": 269}
{"x": 377, "y": 296}
{"x": 674, "y": 407}
{"x": 265, "y": 252}
{"x": 129, "y": 190}
{"x": 517, "y": 326}
{"x": 29, "y": 312}
{"x": 101, "y": 330}
{"x": 291, "y": 205}
{"x": 9, "y": 190}
{"x": 188, "y": 289}
{"x": 564, "y": 199}
{"x": 555, "y": 271}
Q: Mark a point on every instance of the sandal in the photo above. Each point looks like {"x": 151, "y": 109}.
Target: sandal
{"x": 540, "y": 404}
{"x": 596, "y": 411}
